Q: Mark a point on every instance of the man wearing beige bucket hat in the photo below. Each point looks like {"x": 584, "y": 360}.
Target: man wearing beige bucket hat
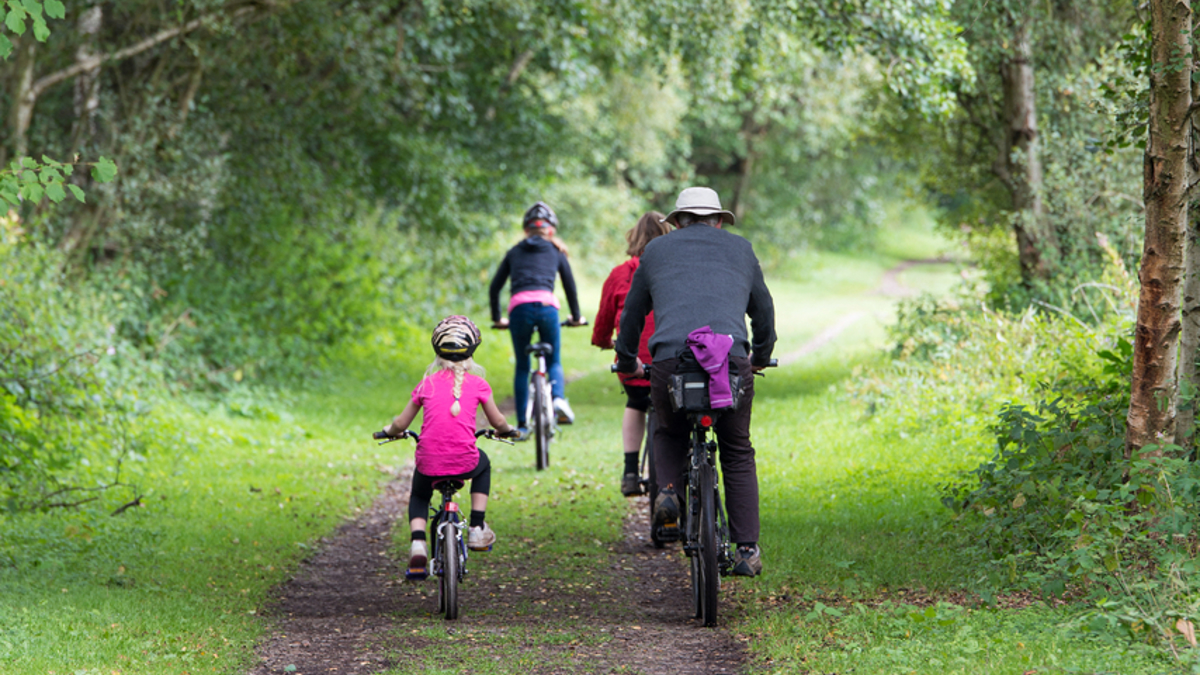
{"x": 700, "y": 276}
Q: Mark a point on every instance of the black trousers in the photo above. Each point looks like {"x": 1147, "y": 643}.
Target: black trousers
{"x": 738, "y": 469}
{"x": 422, "y": 486}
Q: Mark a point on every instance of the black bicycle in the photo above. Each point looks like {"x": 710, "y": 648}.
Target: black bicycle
{"x": 539, "y": 411}
{"x": 647, "y": 473}
{"x": 449, "y": 532}
{"x": 704, "y": 526}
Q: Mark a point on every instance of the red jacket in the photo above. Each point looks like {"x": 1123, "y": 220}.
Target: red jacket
{"x": 608, "y": 317}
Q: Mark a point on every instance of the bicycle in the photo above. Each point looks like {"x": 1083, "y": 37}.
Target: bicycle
{"x": 540, "y": 410}
{"x": 647, "y": 473}
{"x": 449, "y": 541}
{"x": 705, "y": 529}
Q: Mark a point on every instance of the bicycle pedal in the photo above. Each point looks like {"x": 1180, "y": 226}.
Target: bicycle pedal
{"x": 668, "y": 532}
{"x": 481, "y": 549}
{"x": 416, "y": 574}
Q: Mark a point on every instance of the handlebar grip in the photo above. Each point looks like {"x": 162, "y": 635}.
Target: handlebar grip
{"x": 772, "y": 363}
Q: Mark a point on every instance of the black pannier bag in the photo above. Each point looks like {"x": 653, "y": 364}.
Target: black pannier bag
{"x": 688, "y": 386}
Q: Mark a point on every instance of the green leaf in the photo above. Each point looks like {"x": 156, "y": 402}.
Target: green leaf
{"x": 5, "y": 47}
{"x": 55, "y": 9}
{"x": 55, "y": 192}
{"x": 15, "y": 22}
{"x": 40, "y": 30}
{"x": 77, "y": 191}
{"x": 104, "y": 170}
{"x": 32, "y": 191}
{"x": 33, "y": 7}
{"x": 10, "y": 197}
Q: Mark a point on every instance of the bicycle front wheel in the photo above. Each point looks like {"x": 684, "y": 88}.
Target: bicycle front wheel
{"x": 541, "y": 421}
{"x": 448, "y": 583}
{"x": 710, "y": 580}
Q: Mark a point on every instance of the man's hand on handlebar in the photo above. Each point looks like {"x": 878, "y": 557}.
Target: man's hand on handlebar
{"x": 502, "y": 324}
{"x": 574, "y": 323}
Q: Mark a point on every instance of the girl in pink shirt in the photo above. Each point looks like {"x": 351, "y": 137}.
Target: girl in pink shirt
{"x": 449, "y": 395}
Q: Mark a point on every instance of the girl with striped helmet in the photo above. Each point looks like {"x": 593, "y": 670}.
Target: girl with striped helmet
{"x": 533, "y": 266}
{"x": 450, "y": 393}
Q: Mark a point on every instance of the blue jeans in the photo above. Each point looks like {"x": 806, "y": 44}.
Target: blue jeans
{"x": 521, "y": 321}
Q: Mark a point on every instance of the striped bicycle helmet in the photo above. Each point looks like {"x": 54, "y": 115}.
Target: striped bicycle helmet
{"x": 540, "y": 211}
{"x": 455, "y": 338}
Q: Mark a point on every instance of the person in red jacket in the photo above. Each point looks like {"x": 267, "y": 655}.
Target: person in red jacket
{"x": 637, "y": 389}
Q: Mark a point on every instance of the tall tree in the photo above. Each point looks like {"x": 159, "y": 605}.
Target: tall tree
{"x": 1151, "y": 418}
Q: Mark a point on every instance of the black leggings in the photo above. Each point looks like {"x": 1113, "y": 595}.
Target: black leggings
{"x": 422, "y": 486}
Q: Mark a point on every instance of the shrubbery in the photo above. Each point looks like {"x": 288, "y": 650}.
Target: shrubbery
{"x": 71, "y": 396}
{"x": 1054, "y": 506}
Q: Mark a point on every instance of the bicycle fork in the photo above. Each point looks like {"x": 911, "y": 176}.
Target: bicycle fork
{"x": 450, "y": 533}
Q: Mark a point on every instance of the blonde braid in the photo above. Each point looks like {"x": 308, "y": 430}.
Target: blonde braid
{"x": 460, "y": 373}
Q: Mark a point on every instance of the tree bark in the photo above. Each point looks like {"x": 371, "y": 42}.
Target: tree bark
{"x": 1018, "y": 155}
{"x": 1189, "y": 338}
{"x": 87, "y": 84}
{"x": 23, "y": 99}
{"x": 1151, "y": 418}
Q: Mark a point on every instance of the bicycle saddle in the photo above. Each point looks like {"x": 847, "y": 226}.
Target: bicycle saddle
{"x": 543, "y": 348}
{"x": 453, "y": 484}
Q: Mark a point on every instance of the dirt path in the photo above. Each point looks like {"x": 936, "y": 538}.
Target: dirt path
{"x": 348, "y": 611}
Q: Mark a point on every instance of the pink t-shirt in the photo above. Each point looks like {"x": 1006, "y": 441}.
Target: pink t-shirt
{"x": 542, "y": 296}
{"x": 447, "y": 443}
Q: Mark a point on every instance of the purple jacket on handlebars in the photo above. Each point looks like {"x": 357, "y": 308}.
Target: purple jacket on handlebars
{"x": 712, "y": 352}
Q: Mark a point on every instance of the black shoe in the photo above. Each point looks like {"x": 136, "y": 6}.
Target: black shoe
{"x": 666, "y": 515}
{"x": 631, "y": 485}
{"x": 747, "y": 561}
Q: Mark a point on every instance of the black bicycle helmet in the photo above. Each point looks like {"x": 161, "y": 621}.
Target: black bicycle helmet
{"x": 455, "y": 338}
{"x": 540, "y": 211}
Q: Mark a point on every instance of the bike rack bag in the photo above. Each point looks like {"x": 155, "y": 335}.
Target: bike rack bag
{"x": 688, "y": 385}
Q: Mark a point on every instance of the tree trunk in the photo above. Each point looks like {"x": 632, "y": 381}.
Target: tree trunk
{"x": 23, "y": 98}
{"x": 1020, "y": 160}
{"x": 751, "y": 132}
{"x": 87, "y": 84}
{"x": 1189, "y": 338}
{"x": 1151, "y": 418}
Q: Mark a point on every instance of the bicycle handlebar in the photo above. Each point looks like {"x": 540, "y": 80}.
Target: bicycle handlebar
{"x": 568, "y": 324}
{"x": 384, "y": 437}
{"x": 772, "y": 363}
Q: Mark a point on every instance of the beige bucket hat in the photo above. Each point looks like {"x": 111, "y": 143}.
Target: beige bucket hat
{"x": 701, "y": 201}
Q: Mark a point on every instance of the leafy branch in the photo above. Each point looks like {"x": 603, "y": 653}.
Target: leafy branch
{"x": 14, "y": 13}
{"x": 28, "y": 179}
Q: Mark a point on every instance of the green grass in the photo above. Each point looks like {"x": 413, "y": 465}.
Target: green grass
{"x": 853, "y": 533}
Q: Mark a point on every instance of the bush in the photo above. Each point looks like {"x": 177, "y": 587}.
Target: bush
{"x": 70, "y": 404}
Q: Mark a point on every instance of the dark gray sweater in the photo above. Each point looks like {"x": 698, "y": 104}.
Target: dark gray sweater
{"x": 693, "y": 277}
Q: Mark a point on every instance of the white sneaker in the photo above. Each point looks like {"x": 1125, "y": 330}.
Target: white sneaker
{"x": 563, "y": 410}
{"x": 481, "y": 538}
{"x": 418, "y": 559}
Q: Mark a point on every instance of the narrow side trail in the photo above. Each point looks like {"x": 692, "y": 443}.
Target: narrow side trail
{"x": 348, "y": 610}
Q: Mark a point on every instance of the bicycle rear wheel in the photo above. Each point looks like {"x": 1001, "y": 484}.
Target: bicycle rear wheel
{"x": 710, "y": 580}
{"x": 652, "y": 477}
{"x": 448, "y": 582}
{"x": 541, "y": 421}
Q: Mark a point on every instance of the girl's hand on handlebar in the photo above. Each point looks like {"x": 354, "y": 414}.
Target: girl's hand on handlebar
{"x": 383, "y": 435}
